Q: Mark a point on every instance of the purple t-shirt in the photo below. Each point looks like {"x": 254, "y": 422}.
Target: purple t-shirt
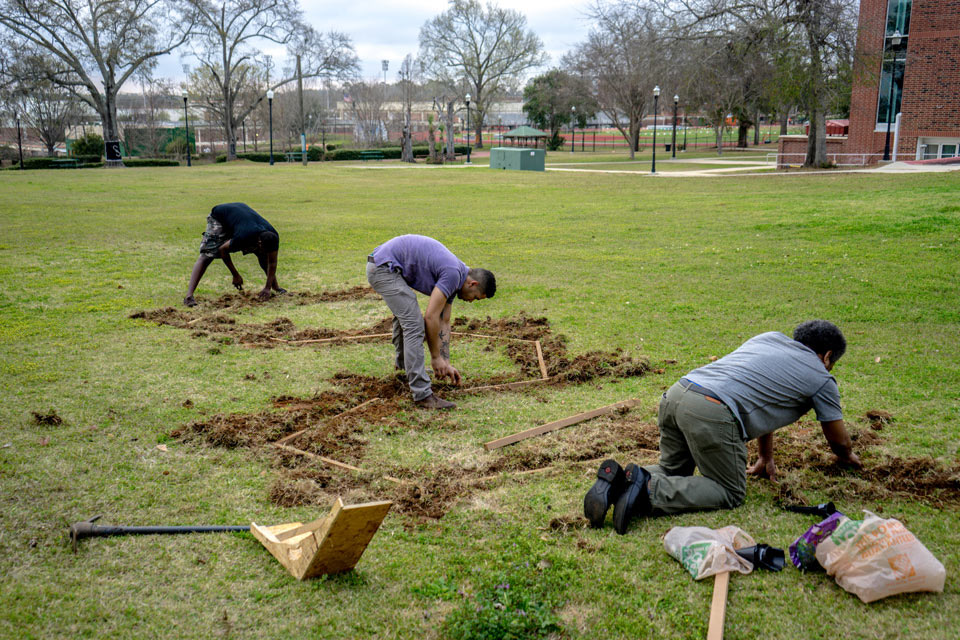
{"x": 424, "y": 264}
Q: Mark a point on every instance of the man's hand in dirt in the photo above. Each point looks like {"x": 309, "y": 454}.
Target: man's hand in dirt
{"x": 238, "y": 282}
{"x": 764, "y": 468}
{"x": 443, "y": 369}
{"x": 852, "y": 461}
{"x": 264, "y": 295}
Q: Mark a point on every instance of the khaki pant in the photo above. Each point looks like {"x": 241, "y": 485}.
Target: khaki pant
{"x": 697, "y": 432}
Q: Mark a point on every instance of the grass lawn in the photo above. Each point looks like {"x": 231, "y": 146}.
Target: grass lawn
{"x": 671, "y": 272}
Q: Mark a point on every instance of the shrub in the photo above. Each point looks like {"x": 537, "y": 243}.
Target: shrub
{"x": 150, "y": 162}
{"x": 90, "y": 144}
{"x": 87, "y": 159}
{"x": 555, "y": 142}
{"x": 333, "y": 146}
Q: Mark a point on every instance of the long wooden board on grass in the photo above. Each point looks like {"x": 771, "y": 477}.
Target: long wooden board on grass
{"x": 559, "y": 424}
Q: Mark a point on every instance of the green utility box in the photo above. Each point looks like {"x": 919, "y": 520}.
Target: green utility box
{"x": 518, "y": 159}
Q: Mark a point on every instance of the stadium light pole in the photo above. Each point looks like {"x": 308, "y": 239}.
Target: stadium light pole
{"x": 186, "y": 125}
{"x": 656, "y": 98}
{"x": 673, "y": 142}
{"x": 19, "y": 142}
{"x": 894, "y": 41}
{"x": 270, "y": 109}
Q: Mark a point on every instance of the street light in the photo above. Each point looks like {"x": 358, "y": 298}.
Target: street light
{"x": 186, "y": 125}
{"x": 573, "y": 128}
{"x": 894, "y": 41}
{"x": 656, "y": 98}
{"x": 270, "y": 104}
{"x": 500, "y": 128}
{"x": 468, "y": 127}
{"x": 673, "y": 142}
{"x": 385, "y": 64}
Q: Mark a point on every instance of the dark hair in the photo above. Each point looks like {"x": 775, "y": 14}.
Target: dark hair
{"x": 486, "y": 280}
{"x": 821, "y": 336}
{"x": 269, "y": 241}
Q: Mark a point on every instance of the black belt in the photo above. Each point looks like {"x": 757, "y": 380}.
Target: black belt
{"x": 696, "y": 388}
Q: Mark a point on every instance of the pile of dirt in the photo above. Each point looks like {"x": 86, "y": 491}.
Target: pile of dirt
{"x": 878, "y": 418}
{"x": 50, "y": 419}
{"x": 802, "y": 450}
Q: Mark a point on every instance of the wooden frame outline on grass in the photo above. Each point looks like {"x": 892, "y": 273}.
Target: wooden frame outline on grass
{"x": 560, "y": 424}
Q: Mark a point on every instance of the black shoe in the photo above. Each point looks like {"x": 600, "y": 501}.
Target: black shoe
{"x": 603, "y": 493}
{"x": 635, "y": 499}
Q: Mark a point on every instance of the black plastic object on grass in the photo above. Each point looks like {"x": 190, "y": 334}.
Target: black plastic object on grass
{"x": 763, "y": 556}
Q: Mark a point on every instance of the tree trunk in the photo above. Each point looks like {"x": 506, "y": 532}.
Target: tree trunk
{"x": 743, "y": 129}
{"x": 479, "y": 130}
{"x": 756, "y": 129}
{"x": 634, "y": 141}
{"x": 719, "y": 131}
{"x": 784, "y": 120}
{"x": 451, "y": 147}
{"x": 432, "y": 141}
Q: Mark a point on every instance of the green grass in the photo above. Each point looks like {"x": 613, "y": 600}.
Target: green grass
{"x": 671, "y": 270}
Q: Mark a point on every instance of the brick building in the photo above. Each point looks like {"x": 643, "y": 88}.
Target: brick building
{"x": 908, "y": 66}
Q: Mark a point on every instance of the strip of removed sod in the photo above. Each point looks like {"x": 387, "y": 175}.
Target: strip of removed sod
{"x": 674, "y": 271}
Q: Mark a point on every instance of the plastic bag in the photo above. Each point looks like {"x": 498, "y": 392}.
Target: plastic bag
{"x": 876, "y": 557}
{"x": 705, "y": 552}
{"x": 803, "y": 550}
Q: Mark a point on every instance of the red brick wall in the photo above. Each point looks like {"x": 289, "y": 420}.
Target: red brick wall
{"x": 931, "y": 91}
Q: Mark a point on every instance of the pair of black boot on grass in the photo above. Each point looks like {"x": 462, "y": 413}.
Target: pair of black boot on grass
{"x": 624, "y": 488}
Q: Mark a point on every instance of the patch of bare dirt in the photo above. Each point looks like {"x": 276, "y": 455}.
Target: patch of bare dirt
{"x": 800, "y": 450}
{"x": 878, "y": 418}
{"x": 50, "y": 419}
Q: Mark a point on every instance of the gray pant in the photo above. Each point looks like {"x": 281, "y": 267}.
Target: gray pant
{"x": 697, "y": 432}
{"x": 408, "y": 327}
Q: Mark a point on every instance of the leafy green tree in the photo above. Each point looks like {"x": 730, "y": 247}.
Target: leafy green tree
{"x": 90, "y": 144}
{"x": 555, "y": 99}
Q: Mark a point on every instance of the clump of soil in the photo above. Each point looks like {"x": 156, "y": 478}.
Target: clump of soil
{"x": 49, "y": 419}
{"x": 878, "y": 418}
{"x": 563, "y": 524}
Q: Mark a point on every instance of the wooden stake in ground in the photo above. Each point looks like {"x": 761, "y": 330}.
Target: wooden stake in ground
{"x": 559, "y": 424}
{"x": 543, "y": 365}
{"x": 718, "y": 608}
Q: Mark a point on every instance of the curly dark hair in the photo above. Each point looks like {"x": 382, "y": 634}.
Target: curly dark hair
{"x": 821, "y": 336}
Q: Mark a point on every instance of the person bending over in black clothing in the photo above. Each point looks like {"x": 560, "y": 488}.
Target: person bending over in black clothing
{"x": 236, "y": 227}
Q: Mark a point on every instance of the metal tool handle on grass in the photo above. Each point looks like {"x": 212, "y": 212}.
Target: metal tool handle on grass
{"x": 86, "y": 529}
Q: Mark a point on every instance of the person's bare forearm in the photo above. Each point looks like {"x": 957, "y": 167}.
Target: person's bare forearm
{"x": 228, "y": 262}
{"x": 765, "y": 446}
{"x": 837, "y": 437}
{"x": 432, "y": 328}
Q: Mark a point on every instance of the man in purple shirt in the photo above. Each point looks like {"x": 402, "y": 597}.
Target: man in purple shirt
{"x": 411, "y": 263}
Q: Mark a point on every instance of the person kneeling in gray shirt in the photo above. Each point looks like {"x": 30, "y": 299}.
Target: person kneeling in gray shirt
{"x": 707, "y": 418}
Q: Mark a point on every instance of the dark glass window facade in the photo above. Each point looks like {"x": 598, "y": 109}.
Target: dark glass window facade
{"x": 894, "y": 60}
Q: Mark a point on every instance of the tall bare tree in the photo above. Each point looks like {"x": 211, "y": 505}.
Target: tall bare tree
{"x": 826, "y": 27}
{"x": 367, "y": 104}
{"x": 231, "y": 30}
{"x": 99, "y": 44}
{"x": 484, "y": 45}
{"x": 623, "y": 55}
{"x": 409, "y": 91}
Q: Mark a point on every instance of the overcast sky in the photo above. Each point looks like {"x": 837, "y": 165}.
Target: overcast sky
{"x": 389, "y": 30}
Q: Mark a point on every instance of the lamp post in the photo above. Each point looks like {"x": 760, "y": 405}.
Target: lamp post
{"x": 500, "y": 128}
{"x": 656, "y": 98}
{"x": 19, "y": 142}
{"x": 270, "y": 109}
{"x": 385, "y": 64}
{"x": 186, "y": 125}
{"x": 673, "y": 142}
{"x": 573, "y": 128}
{"x": 686, "y": 124}
{"x": 894, "y": 41}
{"x": 467, "y": 97}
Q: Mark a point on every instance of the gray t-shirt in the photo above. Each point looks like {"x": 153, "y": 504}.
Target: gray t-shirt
{"x": 769, "y": 382}
{"x": 424, "y": 264}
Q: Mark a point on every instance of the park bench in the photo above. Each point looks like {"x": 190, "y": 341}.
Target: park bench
{"x": 371, "y": 155}
{"x": 64, "y": 163}
{"x": 294, "y": 156}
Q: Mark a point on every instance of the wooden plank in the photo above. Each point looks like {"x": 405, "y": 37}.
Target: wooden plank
{"x": 331, "y": 461}
{"x": 365, "y": 336}
{"x": 293, "y": 435}
{"x": 718, "y": 608}
{"x": 505, "y": 385}
{"x": 481, "y": 335}
{"x": 331, "y": 544}
{"x": 543, "y": 365}
{"x": 559, "y": 424}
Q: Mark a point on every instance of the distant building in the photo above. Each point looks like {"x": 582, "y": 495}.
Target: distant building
{"x": 908, "y": 65}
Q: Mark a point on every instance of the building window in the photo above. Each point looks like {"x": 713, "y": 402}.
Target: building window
{"x": 893, "y": 66}
{"x": 898, "y": 16}
{"x": 938, "y": 148}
